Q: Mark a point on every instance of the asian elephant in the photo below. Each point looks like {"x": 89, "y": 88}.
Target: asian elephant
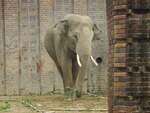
{"x": 68, "y": 43}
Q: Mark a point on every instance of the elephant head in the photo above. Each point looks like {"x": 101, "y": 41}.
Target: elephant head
{"x": 80, "y": 31}
{"x": 69, "y": 44}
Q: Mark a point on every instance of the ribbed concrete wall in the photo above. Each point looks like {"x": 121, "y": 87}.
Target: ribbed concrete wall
{"x": 25, "y": 67}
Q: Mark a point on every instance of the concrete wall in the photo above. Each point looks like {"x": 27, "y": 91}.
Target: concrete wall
{"x": 25, "y": 67}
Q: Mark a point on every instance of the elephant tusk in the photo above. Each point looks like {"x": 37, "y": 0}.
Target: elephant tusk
{"x": 78, "y": 60}
{"x": 94, "y": 61}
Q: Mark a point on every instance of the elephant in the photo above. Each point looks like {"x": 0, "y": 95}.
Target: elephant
{"x": 68, "y": 43}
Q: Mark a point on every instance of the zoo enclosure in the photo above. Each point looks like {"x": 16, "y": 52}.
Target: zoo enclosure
{"x": 25, "y": 67}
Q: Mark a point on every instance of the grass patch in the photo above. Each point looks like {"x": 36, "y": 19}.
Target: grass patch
{"x": 6, "y": 106}
{"x": 70, "y": 95}
{"x": 28, "y": 103}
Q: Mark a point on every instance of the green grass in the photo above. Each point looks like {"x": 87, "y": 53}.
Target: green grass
{"x": 28, "y": 103}
{"x": 70, "y": 95}
{"x": 6, "y": 106}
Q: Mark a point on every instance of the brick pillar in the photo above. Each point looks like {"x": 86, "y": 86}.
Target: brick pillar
{"x": 129, "y": 66}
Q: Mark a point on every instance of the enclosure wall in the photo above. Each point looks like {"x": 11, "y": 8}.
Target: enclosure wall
{"x": 25, "y": 67}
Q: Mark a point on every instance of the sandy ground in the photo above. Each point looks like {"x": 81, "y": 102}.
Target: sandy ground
{"x": 53, "y": 101}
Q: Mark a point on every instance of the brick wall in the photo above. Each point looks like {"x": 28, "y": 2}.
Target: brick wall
{"x": 129, "y": 54}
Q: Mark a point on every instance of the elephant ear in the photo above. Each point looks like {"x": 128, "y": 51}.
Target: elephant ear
{"x": 64, "y": 26}
{"x": 97, "y": 32}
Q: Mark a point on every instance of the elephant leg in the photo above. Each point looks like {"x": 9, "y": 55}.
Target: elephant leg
{"x": 67, "y": 74}
{"x": 64, "y": 75}
{"x": 81, "y": 77}
{"x": 60, "y": 71}
{"x": 52, "y": 53}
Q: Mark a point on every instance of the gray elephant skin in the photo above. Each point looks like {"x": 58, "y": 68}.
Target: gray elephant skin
{"x": 68, "y": 43}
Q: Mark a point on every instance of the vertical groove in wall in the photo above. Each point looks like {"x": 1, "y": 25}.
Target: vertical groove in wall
{"x": 53, "y": 10}
{"x": 53, "y": 2}
{"x": 110, "y": 78}
{"x": 73, "y": 6}
{"x": 86, "y": 7}
{"x": 19, "y": 38}
{"x": 4, "y": 44}
{"x": 39, "y": 34}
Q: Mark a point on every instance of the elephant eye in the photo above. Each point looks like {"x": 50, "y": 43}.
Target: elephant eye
{"x": 75, "y": 36}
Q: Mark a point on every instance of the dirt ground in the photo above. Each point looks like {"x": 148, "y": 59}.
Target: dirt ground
{"x": 53, "y": 101}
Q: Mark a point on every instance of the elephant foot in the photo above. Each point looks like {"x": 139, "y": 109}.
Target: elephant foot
{"x": 70, "y": 93}
{"x": 78, "y": 94}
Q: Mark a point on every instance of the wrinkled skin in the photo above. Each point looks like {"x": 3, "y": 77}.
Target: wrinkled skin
{"x": 71, "y": 36}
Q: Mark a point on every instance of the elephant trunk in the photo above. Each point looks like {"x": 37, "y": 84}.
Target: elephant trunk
{"x": 83, "y": 48}
{"x": 83, "y": 54}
